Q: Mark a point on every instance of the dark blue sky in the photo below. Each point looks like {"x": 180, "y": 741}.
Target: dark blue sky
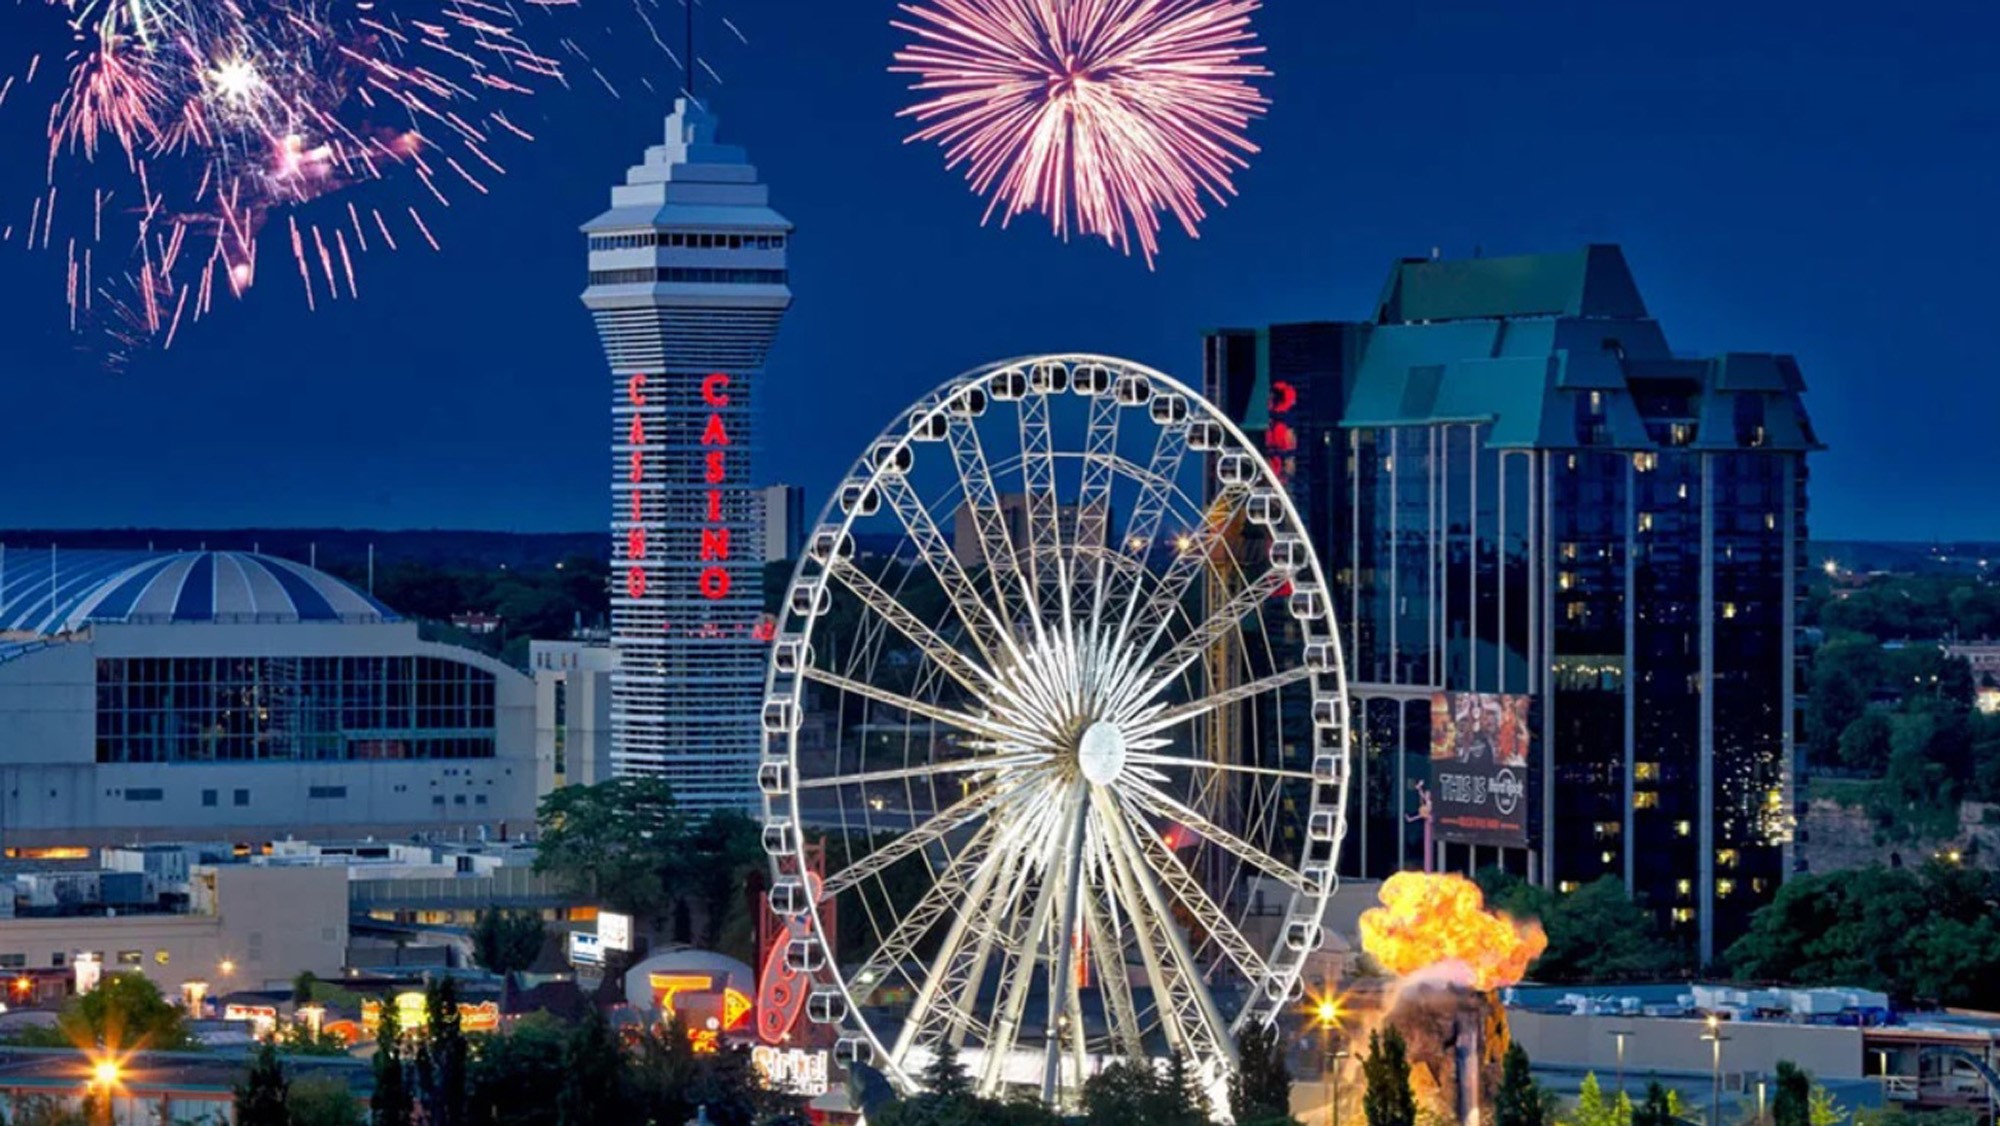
{"x": 1814, "y": 178}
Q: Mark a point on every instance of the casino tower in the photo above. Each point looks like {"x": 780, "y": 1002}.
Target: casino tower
{"x": 688, "y": 285}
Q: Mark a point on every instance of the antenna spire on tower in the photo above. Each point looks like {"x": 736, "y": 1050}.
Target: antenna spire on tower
{"x": 690, "y": 48}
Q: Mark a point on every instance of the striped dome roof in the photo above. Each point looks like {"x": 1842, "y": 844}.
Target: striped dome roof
{"x": 44, "y": 593}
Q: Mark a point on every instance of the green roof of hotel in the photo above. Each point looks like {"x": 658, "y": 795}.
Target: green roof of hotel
{"x": 1514, "y": 342}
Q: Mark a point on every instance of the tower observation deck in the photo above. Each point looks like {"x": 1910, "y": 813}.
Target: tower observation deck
{"x": 688, "y": 284}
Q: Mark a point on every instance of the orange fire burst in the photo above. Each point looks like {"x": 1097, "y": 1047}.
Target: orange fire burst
{"x": 1428, "y": 921}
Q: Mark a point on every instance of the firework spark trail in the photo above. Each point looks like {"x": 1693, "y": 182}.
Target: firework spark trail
{"x": 1104, "y": 115}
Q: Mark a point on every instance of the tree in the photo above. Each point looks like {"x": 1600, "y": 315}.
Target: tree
{"x": 1593, "y": 1109}
{"x": 1791, "y": 1102}
{"x": 1519, "y": 1102}
{"x": 44, "y": 1111}
{"x": 442, "y": 1058}
{"x": 1261, "y": 1089}
{"x": 1865, "y": 744}
{"x": 391, "y": 1104}
{"x": 260, "y": 1097}
{"x": 1661, "y": 1108}
{"x": 302, "y": 987}
{"x": 297, "y": 1038}
{"x": 1389, "y": 1101}
{"x": 505, "y": 942}
{"x": 592, "y": 1064}
{"x": 322, "y": 1100}
{"x": 1183, "y": 1102}
{"x": 945, "y": 1076}
{"x": 518, "y": 1073}
{"x": 621, "y": 843}
{"x": 124, "y": 1013}
{"x": 1596, "y": 933}
{"x": 1823, "y": 1109}
{"x": 1124, "y": 1093}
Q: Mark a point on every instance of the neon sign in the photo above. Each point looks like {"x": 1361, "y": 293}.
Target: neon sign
{"x": 635, "y": 538}
{"x": 791, "y": 1070}
{"x": 715, "y": 443}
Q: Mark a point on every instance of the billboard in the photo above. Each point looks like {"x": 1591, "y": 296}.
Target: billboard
{"x": 1479, "y": 768}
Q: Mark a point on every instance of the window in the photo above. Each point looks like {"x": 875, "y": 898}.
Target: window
{"x": 1645, "y": 799}
{"x": 1566, "y": 886}
{"x": 1725, "y": 887}
{"x": 689, "y": 275}
{"x": 1607, "y": 828}
{"x": 56, "y": 959}
{"x": 1683, "y": 914}
{"x": 131, "y": 957}
{"x": 1645, "y": 521}
{"x": 321, "y": 792}
{"x": 242, "y": 797}
{"x": 13, "y": 961}
{"x": 1645, "y": 462}
{"x": 1683, "y": 888}
{"x": 1607, "y": 857}
{"x": 1645, "y": 772}
{"x": 1726, "y": 857}
{"x": 162, "y": 957}
{"x": 208, "y": 798}
{"x": 145, "y": 793}
{"x": 1683, "y": 828}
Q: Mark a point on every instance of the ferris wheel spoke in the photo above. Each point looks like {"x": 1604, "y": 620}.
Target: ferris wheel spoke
{"x": 1026, "y": 949}
{"x": 1172, "y": 810}
{"x": 1148, "y": 621}
{"x": 1001, "y": 734}
{"x": 970, "y": 676}
{"x": 987, "y": 634}
{"x": 1107, "y": 948}
{"x": 1157, "y": 491}
{"x": 1065, "y": 1006}
{"x": 943, "y": 897}
{"x": 1100, "y": 454}
{"x": 1188, "y": 890}
{"x": 982, "y": 499}
{"x": 929, "y": 770}
{"x": 1214, "y": 628}
{"x": 1045, "y": 548}
{"x": 1183, "y": 1001}
{"x": 1177, "y": 762}
{"x": 955, "y": 816}
{"x": 1195, "y": 709}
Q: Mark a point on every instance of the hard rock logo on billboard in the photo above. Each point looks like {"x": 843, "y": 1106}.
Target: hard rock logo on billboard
{"x": 715, "y": 441}
{"x": 1479, "y": 767}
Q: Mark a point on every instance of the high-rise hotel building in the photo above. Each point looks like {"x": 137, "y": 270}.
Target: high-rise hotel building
{"x": 688, "y": 285}
{"x": 1561, "y": 544}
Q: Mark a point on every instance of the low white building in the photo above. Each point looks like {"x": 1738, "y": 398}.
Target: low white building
{"x": 224, "y": 694}
{"x": 572, "y": 712}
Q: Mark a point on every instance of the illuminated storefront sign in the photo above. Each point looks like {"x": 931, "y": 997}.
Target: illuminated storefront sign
{"x": 791, "y": 1071}
{"x": 413, "y": 1012}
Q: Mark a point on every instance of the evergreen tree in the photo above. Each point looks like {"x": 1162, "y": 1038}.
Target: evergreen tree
{"x": 1261, "y": 1089}
{"x": 1183, "y": 1102}
{"x": 506, "y": 942}
{"x": 1519, "y": 1102}
{"x": 1389, "y": 1101}
{"x": 442, "y": 1058}
{"x": 260, "y": 1098}
{"x": 592, "y": 1070}
{"x": 1791, "y": 1105}
{"x": 1593, "y": 1109}
{"x": 391, "y": 1104}
{"x": 1661, "y": 1108}
{"x": 945, "y": 1076}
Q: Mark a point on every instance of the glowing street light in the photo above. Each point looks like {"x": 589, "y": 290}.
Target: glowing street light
{"x": 106, "y": 1073}
{"x": 1714, "y": 1036}
{"x": 227, "y": 967}
{"x": 1621, "y": 1035}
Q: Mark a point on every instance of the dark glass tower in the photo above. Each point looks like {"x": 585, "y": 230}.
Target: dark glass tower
{"x": 1519, "y": 489}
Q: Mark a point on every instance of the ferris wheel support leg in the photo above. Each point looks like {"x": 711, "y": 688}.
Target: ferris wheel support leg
{"x": 1108, "y": 947}
{"x": 1026, "y": 956}
{"x": 1062, "y": 976}
{"x": 934, "y": 981}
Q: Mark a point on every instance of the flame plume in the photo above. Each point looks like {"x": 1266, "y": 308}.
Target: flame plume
{"x": 1441, "y": 922}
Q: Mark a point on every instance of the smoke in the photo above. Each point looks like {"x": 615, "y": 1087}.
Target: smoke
{"x": 1435, "y": 929}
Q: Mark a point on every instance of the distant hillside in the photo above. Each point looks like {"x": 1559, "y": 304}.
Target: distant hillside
{"x": 340, "y": 548}
{"x": 1864, "y": 556}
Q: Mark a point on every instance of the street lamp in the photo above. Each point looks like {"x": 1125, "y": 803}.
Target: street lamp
{"x": 1621, "y": 1035}
{"x": 1328, "y": 1014}
{"x": 227, "y": 967}
{"x": 1714, "y": 1036}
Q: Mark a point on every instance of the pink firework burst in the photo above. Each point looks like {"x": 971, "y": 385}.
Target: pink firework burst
{"x": 1105, "y": 115}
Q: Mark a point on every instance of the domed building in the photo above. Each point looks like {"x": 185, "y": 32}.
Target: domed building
{"x": 237, "y": 696}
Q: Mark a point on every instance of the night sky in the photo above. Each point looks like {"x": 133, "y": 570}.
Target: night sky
{"x": 1812, "y": 178}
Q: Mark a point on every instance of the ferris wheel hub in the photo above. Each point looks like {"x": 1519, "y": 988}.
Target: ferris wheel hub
{"x": 1100, "y": 754}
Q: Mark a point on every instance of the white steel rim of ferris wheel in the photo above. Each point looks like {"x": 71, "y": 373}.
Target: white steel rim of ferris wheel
{"x": 1063, "y": 660}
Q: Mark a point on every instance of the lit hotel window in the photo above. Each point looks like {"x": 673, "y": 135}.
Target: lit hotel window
{"x": 1645, "y": 772}
{"x": 1683, "y": 914}
{"x": 1566, "y": 886}
{"x": 1608, "y": 828}
{"x": 1684, "y": 887}
{"x": 1729, "y": 609}
{"x": 1645, "y": 462}
{"x": 1684, "y": 490}
{"x": 1683, "y": 828}
{"x": 1568, "y": 551}
{"x": 1645, "y": 521}
{"x": 1565, "y": 580}
{"x": 1726, "y": 857}
{"x": 1770, "y": 521}
{"x": 1725, "y": 887}
{"x": 1645, "y": 799}
{"x": 1607, "y": 857}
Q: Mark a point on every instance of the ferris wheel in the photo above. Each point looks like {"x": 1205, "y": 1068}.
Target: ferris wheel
{"x": 1056, "y": 726}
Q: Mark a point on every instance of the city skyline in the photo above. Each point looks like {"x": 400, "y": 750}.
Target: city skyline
{"x": 1391, "y": 133}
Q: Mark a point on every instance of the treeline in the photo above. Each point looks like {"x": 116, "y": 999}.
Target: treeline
{"x": 537, "y": 603}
